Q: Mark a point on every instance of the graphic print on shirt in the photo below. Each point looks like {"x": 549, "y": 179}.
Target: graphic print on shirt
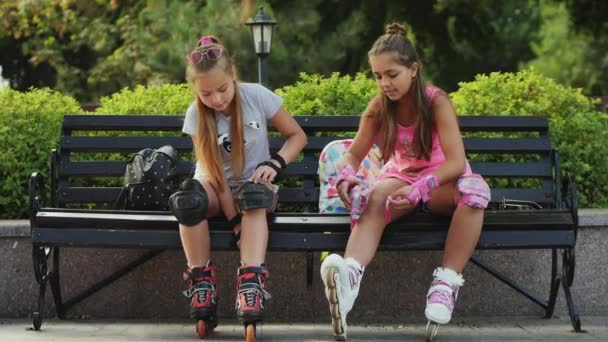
{"x": 406, "y": 156}
{"x": 224, "y": 139}
{"x": 253, "y": 124}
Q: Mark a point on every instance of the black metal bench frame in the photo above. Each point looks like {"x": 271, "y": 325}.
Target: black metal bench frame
{"x": 54, "y": 225}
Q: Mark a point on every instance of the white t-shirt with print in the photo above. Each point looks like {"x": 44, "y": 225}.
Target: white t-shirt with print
{"x": 259, "y": 105}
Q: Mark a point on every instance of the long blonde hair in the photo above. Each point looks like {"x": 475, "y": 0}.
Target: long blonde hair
{"x": 395, "y": 40}
{"x": 206, "y": 146}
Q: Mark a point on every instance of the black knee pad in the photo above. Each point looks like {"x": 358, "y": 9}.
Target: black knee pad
{"x": 254, "y": 196}
{"x": 190, "y": 203}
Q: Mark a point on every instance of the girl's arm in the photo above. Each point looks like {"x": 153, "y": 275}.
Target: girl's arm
{"x": 289, "y": 128}
{"x": 364, "y": 139}
{"x": 450, "y": 139}
{"x": 296, "y": 140}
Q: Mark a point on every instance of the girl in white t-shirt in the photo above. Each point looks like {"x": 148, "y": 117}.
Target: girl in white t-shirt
{"x": 227, "y": 122}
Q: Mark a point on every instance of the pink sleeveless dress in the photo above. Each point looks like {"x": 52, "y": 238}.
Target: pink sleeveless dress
{"x": 403, "y": 164}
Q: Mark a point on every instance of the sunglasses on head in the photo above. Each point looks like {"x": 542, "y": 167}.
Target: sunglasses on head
{"x": 209, "y": 53}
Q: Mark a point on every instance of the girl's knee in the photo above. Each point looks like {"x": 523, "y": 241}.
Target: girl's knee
{"x": 379, "y": 194}
{"x": 472, "y": 191}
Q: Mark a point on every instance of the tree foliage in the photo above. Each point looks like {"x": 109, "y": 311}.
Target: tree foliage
{"x": 572, "y": 44}
{"x": 89, "y": 49}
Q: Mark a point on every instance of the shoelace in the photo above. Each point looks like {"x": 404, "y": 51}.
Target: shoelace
{"x": 252, "y": 293}
{"x": 438, "y": 295}
{"x": 202, "y": 289}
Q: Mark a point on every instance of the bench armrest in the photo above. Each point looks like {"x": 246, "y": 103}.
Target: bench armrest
{"x": 37, "y": 196}
{"x": 569, "y": 196}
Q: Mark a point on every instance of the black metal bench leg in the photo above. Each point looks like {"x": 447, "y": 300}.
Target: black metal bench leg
{"x": 555, "y": 282}
{"x": 39, "y": 313}
{"x": 39, "y": 257}
{"x": 569, "y": 265}
{"x": 55, "y": 285}
{"x": 572, "y": 312}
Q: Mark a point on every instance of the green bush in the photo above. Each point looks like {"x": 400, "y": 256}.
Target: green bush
{"x": 579, "y": 132}
{"x": 30, "y": 125}
{"x": 172, "y": 99}
{"x": 334, "y": 95}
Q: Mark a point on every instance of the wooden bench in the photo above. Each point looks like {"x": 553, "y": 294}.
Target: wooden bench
{"x": 63, "y": 219}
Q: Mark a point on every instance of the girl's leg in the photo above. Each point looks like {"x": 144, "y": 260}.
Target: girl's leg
{"x": 195, "y": 239}
{"x": 342, "y": 276}
{"x": 251, "y": 275}
{"x": 466, "y": 199}
{"x": 365, "y": 236}
{"x": 465, "y": 227}
{"x": 254, "y": 236}
{"x": 200, "y": 274}
{"x": 462, "y": 238}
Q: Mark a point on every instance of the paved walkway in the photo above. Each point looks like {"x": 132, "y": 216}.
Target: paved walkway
{"x": 470, "y": 329}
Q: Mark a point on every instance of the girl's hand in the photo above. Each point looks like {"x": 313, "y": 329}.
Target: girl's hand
{"x": 398, "y": 200}
{"x": 264, "y": 174}
{"x": 344, "y": 189}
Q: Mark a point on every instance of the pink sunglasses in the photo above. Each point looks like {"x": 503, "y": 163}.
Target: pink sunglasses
{"x": 200, "y": 54}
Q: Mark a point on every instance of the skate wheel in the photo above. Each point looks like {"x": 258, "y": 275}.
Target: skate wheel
{"x": 202, "y": 329}
{"x": 431, "y": 330}
{"x": 250, "y": 332}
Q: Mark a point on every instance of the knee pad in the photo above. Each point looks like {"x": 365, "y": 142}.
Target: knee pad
{"x": 474, "y": 192}
{"x": 253, "y": 196}
{"x": 190, "y": 203}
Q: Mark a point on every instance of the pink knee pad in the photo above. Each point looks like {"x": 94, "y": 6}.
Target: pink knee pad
{"x": 474, "y": 190}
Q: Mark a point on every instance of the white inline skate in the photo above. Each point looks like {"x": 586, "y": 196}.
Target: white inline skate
{"x": 441, "y": 298}
{"x": 342, "y": 279}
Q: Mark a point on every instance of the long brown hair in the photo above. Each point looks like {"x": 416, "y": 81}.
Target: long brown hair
{"x": 395, "y": 41}
{"x": 206, "y": 147}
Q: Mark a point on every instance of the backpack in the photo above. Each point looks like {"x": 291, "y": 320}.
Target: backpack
{"x": 150, "y": 179}
{"x": 329, "y": 200}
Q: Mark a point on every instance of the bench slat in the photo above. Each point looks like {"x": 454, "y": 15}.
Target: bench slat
{"x": 117, "y": 169}
{"x": 278, "y": 241}
{"x": 507, "y": 145}
{"x": 109, "y": 195}
{"x": 308, "y": 122}
{"x": 101, "y": 122}
{"x": 122, "y": 144}
{"x": 286, "y": 195}
{"x": 316, "y": 144}
{"x": 513, "y": 170}
{"x": 552, "y": 219}
{"x": 485, "y": 123}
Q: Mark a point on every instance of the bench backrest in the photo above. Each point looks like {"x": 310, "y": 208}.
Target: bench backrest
{"x": 522, "y": 168}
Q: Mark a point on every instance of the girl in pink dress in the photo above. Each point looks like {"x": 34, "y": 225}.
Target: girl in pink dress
{"x": 416, "y": 128}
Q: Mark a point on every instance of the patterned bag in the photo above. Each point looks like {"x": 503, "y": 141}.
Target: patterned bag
{"x": 150, "y": 179}
{"x": 329, "y": 164}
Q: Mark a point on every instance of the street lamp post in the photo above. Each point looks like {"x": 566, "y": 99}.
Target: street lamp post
{"x": 261, "y": 30}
